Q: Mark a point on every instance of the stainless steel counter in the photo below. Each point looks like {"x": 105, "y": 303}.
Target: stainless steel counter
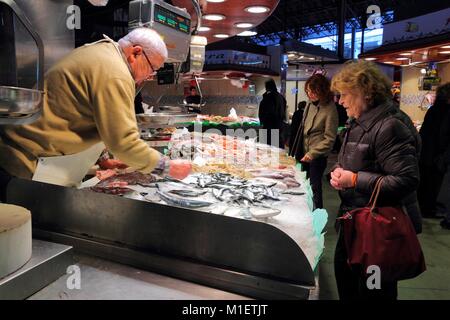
{"x": 105, "y": 280}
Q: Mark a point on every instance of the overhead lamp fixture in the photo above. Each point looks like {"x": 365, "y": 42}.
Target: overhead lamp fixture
{"x": 445, "y": 47}
{"x": 312, "y": 58}
{"x": 203, "y": 29}
{"x": 423, "y": 71}
{"x": 214, "y": 17}
{"x": 402, "y": 58}
{"x": 257, "y": 9}
{"x": 243, "y": 25}
{"x": 390, "y": 62}
{"x": 247, "y": 33}
{"x": 221, "y": 35}
{"x": 406, "y": 54}
{"x": 291, "y": 55}
{"x": 215, "y": 1}
{"x": 370, "y": 59}
{"x": 444, "y": 52}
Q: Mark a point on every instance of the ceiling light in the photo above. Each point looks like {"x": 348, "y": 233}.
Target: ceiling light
{"x": 402, "y": 58}
{"x": 221, "y": 35}
{"x": 445, "y": 47}
{"x": 312, "y": 58}
{"x": 214, "y": 17}
{"x": 257, "y": 9}
{"x": 291, "y": 55}
{"x": 243, "y": 25}
{"x": 370, "y": 59}
{"x": 215, "y": 1}
{"x": 247, "y": 33}
{"x": 390, "y": 62}
{"x": 203, "y": 29}
{"x": 423, "y": 71}
{"x": 444, "y": 52}
{"x": 406, "y": 54}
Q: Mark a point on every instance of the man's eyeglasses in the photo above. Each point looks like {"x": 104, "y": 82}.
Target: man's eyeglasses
{"x": 154, "y": 71}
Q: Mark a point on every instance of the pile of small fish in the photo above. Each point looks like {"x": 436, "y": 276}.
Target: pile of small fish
{"x": 231, "y": 191}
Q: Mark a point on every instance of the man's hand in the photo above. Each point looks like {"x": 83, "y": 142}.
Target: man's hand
{"x": 341, "y": 179}
{"x": 112, "y": 164}
{"x": 306, "y": 158}
{"x": 179, "y": 169}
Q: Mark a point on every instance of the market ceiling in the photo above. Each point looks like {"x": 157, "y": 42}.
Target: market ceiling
{"x": 226, "y": 18}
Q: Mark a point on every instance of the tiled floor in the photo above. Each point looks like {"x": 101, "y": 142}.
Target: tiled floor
{"x": 432, "y": 284}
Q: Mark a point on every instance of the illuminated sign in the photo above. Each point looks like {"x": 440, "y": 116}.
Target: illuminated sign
{"x": 171, "y": 19}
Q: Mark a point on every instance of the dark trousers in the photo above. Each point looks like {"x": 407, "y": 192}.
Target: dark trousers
{"x": 443, "y": 199}
{"x": 430, "y": 184}
{"x": 350, "y": 282}
{"x": 5, "y": 177}
{"x": 314, "y": 171}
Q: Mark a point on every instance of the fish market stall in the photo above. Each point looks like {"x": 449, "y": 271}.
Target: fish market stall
{"x": 240, "y": 228}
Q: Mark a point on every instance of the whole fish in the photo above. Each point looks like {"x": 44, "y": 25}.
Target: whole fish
{"x": 188, "y": 193}
{"x": 182, "y": 202}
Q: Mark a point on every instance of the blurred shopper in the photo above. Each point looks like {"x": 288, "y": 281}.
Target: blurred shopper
{"x": 272, "y": 113}
{"x": 378, "y": 143}
{"x": 434, "y": 144}
{"x": 317, "y": 133}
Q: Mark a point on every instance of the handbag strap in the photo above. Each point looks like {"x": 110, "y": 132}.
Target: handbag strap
{"x": 299, "y": 134}
{"x": 376, "y": 192}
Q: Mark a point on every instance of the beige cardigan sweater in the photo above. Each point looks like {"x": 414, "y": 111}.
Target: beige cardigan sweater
{"x": 89, "y": 97}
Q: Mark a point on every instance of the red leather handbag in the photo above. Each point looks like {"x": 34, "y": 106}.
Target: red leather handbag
{"x": 384, "y": 237}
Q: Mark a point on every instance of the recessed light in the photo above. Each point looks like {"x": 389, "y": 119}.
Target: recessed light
{"x": 406, "y": 54}
{"x": 203, "y": 29}
{"x": 444, "y": 52}
{"x": 221, "y": 35}
{"x": 243, "y": 25}
{"x": 215, "y": 1}
{"x": 445, "y": 47}
{"x": 257, "y": 9}
{"x": 214, "y": 17}
{"x": 370, "y": 59}
{"x": 247, "y": 33}
{"x": 402, "y": 58}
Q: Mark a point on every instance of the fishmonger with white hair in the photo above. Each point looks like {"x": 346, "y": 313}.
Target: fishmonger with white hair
{"x": 89, "y": 99}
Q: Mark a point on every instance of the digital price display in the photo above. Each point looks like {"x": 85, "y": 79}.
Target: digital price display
{"x": 171, "y": 19}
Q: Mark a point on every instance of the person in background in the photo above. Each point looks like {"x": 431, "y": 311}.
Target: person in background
{"x": 378, "y": 143}
{"x": 297, "y": 118}
{"x": 89, "y": 98}
{"x": 193, "y": 97}
{"x": 342, "y": 116}
{"x": 434, "y": 145}
{"x": 319, "y": 130}
{"x": 443, "y": 160}
{"x": 272, "y": 113}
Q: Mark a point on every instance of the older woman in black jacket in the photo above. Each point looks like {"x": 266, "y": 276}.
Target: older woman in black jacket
{"x": 379, "y": 142}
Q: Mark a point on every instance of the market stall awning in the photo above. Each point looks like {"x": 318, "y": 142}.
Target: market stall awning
{"x": 423, "y": 50}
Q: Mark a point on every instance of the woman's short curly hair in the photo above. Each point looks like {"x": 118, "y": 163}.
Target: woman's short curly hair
{"x": 365, "y": 76}
{"x": 320, "y": 85}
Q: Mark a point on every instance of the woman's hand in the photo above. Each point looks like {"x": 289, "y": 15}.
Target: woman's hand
{"x": 342, "y": 179}
{"x": 306, "y": 158}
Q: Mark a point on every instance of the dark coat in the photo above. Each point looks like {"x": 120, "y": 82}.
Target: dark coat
{"x": 382, "y": 143}
{"x": 434, "y": 134}
{"x": 272, "y": 110}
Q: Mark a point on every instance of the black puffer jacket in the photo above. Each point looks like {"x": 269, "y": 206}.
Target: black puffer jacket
{"x": 382, "y": 143}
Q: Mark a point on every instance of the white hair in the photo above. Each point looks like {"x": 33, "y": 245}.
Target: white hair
{"x": 148, "y": 39}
